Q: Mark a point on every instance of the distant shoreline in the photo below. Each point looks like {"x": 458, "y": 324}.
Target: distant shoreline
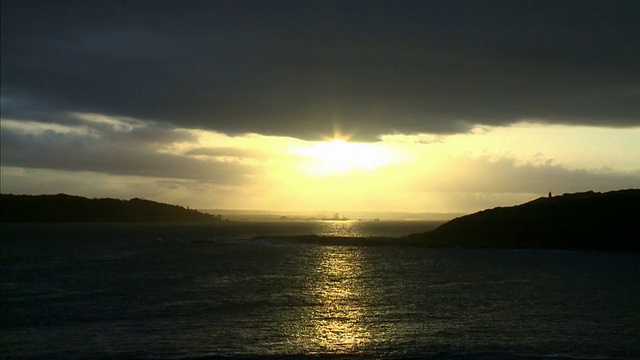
{"x": 63, "y": 208}
{"x": 581, "y": 221}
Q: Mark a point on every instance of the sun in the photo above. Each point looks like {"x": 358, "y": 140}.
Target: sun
{"x": 339, "y": 156}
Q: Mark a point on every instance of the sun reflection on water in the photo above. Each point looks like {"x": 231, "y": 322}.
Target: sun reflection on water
{"x": 348, "y": 228}
{"x": 335, "y": 323}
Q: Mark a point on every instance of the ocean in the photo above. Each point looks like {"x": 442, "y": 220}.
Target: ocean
{"x": 120, "y": 291}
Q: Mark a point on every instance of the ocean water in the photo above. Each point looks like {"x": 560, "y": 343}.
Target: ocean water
{"x": 209, "y": 292}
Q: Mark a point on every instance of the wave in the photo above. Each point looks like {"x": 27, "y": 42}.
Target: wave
{"x": 361, "y": 356}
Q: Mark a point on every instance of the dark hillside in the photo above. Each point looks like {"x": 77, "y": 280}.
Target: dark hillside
{"x": 593, "y": 221}
{"x": 67, "y": 208}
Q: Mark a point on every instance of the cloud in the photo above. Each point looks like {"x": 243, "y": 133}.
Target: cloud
{"x": 102, "y": 151}
{"x": 508, "y": 175}
{"x": 306, "y": 69}
{"x": 228, "y": 152}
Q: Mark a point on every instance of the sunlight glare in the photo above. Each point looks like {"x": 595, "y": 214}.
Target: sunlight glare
{"x": 338, "y": 325}
{"x": 338, "y": 156}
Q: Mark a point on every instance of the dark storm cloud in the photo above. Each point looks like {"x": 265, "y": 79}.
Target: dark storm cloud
{"x": 304, "y": 68}
{"x": 228, "y": 152}
{"x": 147, "y": 133}
{"x": 105, "y": 154}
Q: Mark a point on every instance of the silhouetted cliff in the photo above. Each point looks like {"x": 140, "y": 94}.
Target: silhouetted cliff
{"x": 67, "y": 208}
{"x": 590, "y": 221}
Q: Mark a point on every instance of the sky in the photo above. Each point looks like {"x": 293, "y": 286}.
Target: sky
{"x": 414, "y": 106}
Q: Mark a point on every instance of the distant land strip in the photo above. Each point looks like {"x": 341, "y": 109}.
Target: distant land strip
{"x": 68, "y": 208}
{"x": 581, "y": 221}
